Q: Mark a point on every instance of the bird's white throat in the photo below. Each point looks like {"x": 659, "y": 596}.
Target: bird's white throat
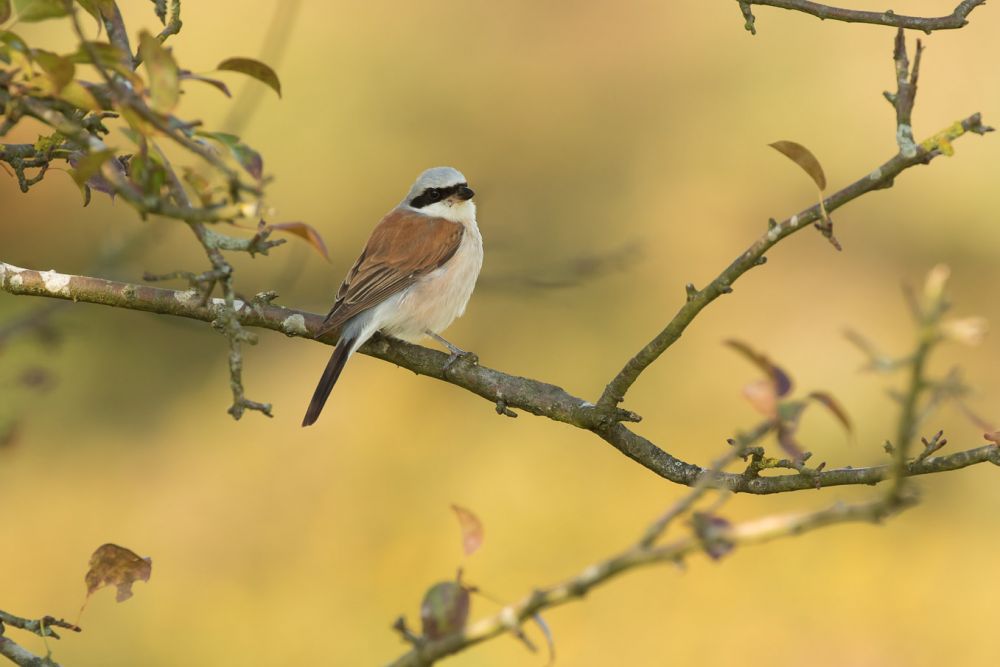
{"x": 463, "y": 212}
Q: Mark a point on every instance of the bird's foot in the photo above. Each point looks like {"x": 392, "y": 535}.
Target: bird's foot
{"x": 456, "y": 353}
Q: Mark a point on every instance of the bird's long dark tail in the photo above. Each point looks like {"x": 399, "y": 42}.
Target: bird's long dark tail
{"x": 333, "y": 368}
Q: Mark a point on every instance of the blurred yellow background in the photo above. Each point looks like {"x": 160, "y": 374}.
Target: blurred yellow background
{"x": 585, "y": 128}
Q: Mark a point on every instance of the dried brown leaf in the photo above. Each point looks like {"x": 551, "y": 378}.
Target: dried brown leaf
{"x": 112, "y": 565}
{"x": 303, "y": 231}
{"x": 472, "y": 529}
{"x": 803, "y": 157}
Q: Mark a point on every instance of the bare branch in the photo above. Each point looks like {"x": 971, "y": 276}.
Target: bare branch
{"x": 882, "y": 177}
{"x": 533, "y": 396}
{"x": 752, "y": 532}
{"x": 957, "y": 19}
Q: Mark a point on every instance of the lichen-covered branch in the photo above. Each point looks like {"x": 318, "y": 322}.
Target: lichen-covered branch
{"x": 514, "y": 392}
{"x": 957, "y": 19}
{"x": 43, "y": 627}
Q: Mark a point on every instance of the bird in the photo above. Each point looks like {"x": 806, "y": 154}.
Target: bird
{"x": 413, "y": 278}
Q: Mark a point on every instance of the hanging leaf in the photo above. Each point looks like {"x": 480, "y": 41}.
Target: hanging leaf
{"x": 252, "y": 68}
{"x": 444, "y": 610}
{"x": 164, "y": 77}
{"x": 831, "y": 404}
{"x": 803, "y": 157}
{"x": 215, "y": 83}
{"x": 112, "y": 565}
{"x": 4, "y": 10}
{"x": 782, "y": 382}
{"x": 789, "y": 414}
{"x": 472, "y": 529}
{"x": 307, "y": 232}
{"x": 31, "y": 11}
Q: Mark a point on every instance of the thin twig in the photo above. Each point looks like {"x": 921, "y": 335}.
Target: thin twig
{"x": 957, "y": 19}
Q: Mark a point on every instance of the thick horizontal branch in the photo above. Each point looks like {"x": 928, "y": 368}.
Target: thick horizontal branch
{"x": 511, "y": 391}
{"x": 956, "y": 19}
{"x": 697, "y": 300}
{"x": 744, "y": 534}
{"x": 635, "y": 446}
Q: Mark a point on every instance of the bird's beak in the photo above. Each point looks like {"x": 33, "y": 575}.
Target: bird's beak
{"x": 465, "y": 193}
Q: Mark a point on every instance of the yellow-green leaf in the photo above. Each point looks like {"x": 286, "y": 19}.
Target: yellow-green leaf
{"x": 79, "y": 96}
{"x": 253, "y": 68}
{"x": 90, "y": 165}
{"x": 30, "y": 11}
{"x": 164, "y": 77}
{"x": 58, "y": 69}
{"x": 803, "y": 157}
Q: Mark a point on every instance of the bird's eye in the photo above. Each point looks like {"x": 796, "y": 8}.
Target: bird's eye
{"x": 433, "y": 195}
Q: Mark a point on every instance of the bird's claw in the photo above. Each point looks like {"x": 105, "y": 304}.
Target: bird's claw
{"x": 468, "y": 357}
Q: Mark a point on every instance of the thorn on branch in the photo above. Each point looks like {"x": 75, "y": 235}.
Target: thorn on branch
{"x": 691, "y": 291}
{"x": 930, "y": 446}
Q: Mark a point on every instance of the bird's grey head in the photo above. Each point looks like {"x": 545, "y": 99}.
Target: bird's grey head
{"x": 439, "y": 184}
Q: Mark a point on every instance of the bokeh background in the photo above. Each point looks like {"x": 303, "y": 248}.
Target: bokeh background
{"x": 631, "y": 131}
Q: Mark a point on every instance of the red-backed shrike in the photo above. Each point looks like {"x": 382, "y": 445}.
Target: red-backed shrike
{"x": 413, "y": 278}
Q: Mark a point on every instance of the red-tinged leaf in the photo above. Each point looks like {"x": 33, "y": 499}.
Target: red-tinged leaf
{"x": 472, "y": 529}
{"x": 803, "y": 157}
{"x": 762, "y": 397}
{"x": 164, "y": 77}
{"x": 112, "y": 565}
{"x": 782, "y": 381}
{"x": 834, "y": 406}
{"x": 444, "y": 610}
{"x": 31, "y": 11}
{"x": 215, "y": 83}
{"x": 307, "y": 232}
{"x": 786, "y": 438}
{"x": 253, "y": 68}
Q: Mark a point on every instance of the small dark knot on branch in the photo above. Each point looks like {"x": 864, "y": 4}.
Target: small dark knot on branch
{"x": 503, "y": 410}
{"x": 691, "y": 291}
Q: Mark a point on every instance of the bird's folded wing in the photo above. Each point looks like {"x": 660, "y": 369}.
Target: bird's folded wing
{"x": 404, "y": 246}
